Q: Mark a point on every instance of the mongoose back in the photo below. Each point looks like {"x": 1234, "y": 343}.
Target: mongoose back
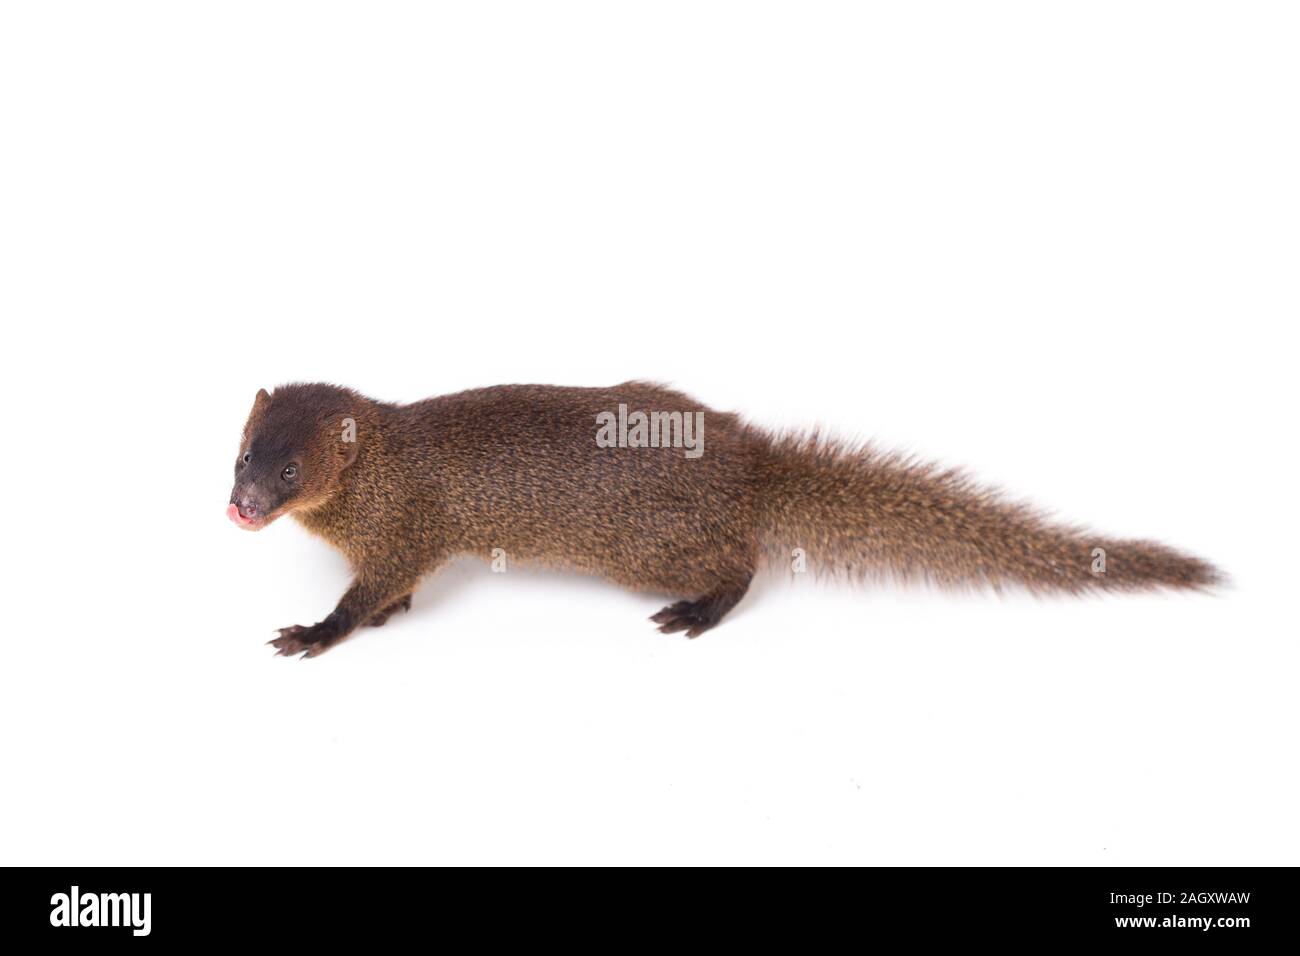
{"x": 640, "y": 485}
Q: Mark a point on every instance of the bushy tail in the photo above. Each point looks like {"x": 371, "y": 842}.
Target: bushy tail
{"x": 861, "y": 513}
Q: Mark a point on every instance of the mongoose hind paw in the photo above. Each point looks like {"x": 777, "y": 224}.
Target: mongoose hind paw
{"x": 683, "y": 616}
{"x": 696, "y": 617}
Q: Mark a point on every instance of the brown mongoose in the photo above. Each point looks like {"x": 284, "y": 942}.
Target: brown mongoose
{"x": 640, "y": 485}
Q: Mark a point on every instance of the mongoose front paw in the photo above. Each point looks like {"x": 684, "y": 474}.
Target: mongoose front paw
{"x": 297, "y": 639}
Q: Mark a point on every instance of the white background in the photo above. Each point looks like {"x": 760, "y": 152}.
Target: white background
{"x": 1055, "y": 244}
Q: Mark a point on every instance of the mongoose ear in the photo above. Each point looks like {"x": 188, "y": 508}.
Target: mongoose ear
{"x": 343, "y": 433}
{"x": 260, "y": 403}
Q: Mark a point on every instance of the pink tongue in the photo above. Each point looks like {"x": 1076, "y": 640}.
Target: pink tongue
{"x": 232, "y": 513}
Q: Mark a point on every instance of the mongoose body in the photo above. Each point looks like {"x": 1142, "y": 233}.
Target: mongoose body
{"x": 521, "y": 471}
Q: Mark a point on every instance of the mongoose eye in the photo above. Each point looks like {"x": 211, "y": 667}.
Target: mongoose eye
{"x": 248, "y": 456}
{"x": 289, "y": 472}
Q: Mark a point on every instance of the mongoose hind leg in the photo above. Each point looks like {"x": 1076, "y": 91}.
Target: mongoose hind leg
{"x": 696, "y": 617}
{"x": 403, "y": 604}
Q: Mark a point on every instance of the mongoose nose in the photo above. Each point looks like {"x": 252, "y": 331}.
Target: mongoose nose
{"x": 240, "y": 516}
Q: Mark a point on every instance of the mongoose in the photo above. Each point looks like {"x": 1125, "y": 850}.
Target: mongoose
{"x": 400, "y": 489}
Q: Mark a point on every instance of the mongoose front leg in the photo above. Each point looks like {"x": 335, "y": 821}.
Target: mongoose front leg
{"x": 402, "y": 604}
{"x": 696, "y": 617}
{"x": 371, "y": 594}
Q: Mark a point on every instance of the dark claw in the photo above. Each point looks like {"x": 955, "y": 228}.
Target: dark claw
{"x": 671, "y": 613}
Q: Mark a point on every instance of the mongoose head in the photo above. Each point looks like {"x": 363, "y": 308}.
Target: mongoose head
{"x": 296, "y": 447}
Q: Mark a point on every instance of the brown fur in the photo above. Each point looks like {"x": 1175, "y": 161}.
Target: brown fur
{"x": 518, "y": 468}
